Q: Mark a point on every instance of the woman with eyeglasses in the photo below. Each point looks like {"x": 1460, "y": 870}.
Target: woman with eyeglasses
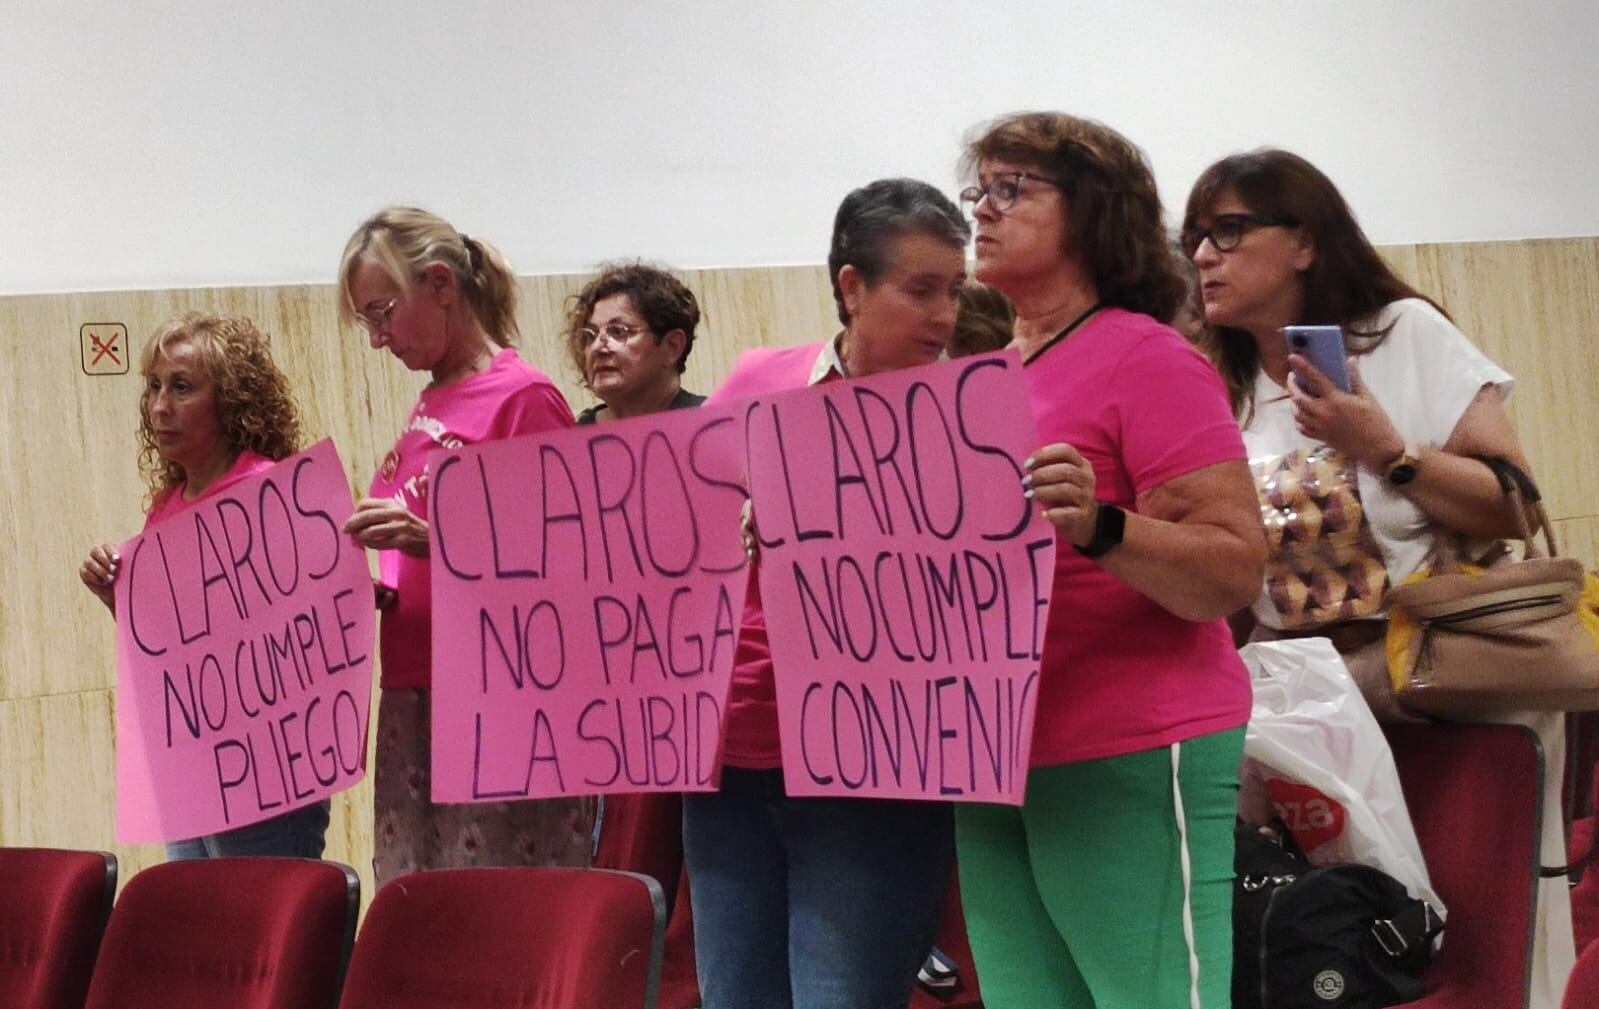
{"x": 215, "y": 410}
{"x": 1276, "y": 245}
{"x": 1112, "y": 885}
{"x": 443, "y": 303}
{"x": 1354, "y": 484}
{"x": 630, "y": 332}
{"x": 826, "y": 903}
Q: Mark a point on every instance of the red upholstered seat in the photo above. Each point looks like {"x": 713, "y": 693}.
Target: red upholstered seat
{"x": 1585, "y": 895}
{"x": 1474, "y": 793}
{"x": 239, "y": 933}
{"x": 1582, "y": 991}
{"x": 954, "y": 944}
{"x": 53, "y": 907}
{"x": 518, "y": 938}
{"x": 643, "y": 833}
{"x": 1580, "y": 850}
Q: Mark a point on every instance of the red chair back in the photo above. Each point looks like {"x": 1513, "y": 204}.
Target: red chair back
{"x": 1580, "y": 844}
{"x": 643, "y": 832}
{"x": 245, "y": 933}
{"x": 53, "y": 907}
{"x": 493, "y": 938}
{"x": 1582, "y": 991}
{"x": 1475, "y": 797}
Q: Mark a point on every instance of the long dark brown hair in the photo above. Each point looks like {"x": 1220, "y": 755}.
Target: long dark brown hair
{"x": 1347, "y": 282}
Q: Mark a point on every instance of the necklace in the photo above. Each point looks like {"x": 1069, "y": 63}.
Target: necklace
{"x": 1063, "y": 334}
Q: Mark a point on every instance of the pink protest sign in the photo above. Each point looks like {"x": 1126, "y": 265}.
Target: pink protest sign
{"x": 587, "y": 586}
{"x": 245, "y": 633}
{"x": 905, "y": 580}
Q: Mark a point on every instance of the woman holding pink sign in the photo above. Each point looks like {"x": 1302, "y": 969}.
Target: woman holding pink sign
{"x": 826, "y": 903}
{"x": 215, "y": 410}
{"x": 443, "y": 303}
{"x": 1112, "y": 885}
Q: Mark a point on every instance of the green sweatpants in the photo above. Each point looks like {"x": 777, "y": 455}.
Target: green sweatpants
{"x": 1081, "y": 899}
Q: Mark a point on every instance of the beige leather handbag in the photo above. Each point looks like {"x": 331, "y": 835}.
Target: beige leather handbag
{"x": 1516, "y": 635}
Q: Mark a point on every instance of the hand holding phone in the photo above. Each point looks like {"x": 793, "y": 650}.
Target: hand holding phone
{"x": 1323, "y": 347}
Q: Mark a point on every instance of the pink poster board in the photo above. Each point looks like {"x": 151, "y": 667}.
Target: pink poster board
{"x": 587, "y": 589}
{"x": 905, "y": 580}
{"x": 245, "y": 642}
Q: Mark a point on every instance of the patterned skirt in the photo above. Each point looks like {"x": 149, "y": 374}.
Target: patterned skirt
{"x": 411, "y": 833}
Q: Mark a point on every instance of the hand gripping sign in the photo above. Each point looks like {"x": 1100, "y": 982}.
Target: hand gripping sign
{"x": 245, "y": 631}
{"x": 587, "y": 590}
{"x": 905, "y": 580}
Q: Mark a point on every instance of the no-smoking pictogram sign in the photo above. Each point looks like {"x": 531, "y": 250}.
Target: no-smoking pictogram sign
{"x": 105, "y": 348}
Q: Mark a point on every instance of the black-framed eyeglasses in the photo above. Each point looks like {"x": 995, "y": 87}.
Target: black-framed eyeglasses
{"x": 616, "y": 332}
{"x": 1225, "y": 231}
{"x": 376, "y": 320}
{"x": 1002, "y": 191}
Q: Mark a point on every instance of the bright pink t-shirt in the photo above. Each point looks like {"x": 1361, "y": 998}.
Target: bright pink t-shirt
{"x": 1121, "y": 674}
{"x": 749, "y": 731}
{"x": 170, "y": 503}
{"x": 509, "y": 398}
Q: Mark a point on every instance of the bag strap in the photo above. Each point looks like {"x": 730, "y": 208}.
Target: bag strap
{"x": 1524, "y": 495}
{"x": 1511, "y": 477}
{"x": 1413, "y": 928}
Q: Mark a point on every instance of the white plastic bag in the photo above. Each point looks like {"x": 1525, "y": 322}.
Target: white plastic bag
{"x": 1315, "y": 756}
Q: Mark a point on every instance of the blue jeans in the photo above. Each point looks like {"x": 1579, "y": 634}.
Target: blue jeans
{"x": 295, "y": 834}
{"x": 812, "y": 903}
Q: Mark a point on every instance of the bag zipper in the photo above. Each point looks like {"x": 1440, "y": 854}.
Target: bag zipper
{"x": 1497, "y": 608}
{"x": 1265, "y": 920}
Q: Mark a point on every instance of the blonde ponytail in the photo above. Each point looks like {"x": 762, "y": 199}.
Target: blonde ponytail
{"x": 402, "y": 241}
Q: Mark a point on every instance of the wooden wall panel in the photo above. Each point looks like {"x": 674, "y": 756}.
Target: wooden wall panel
{"x": 69, "y": 459}
{"x": 1579, "y": 538}
{"x": 61, "y": 795}
{"x": 1534, "y": 308}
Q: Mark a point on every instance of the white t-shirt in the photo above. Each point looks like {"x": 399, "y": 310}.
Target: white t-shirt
{"x": 1425, "y": 374}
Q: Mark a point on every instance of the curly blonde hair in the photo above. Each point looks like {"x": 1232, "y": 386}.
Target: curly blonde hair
{"x": 254, "y": 406}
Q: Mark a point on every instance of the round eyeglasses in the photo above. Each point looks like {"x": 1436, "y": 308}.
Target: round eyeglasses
{"x": 1002, "y": 191}
{"x": 1225, "y": 231}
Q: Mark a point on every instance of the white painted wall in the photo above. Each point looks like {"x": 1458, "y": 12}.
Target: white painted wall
{"x": 189, "y": 142}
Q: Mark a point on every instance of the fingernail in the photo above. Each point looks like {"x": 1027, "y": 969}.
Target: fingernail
{"x": 1029, "y": 462}
{"x": 1028, "y": 493}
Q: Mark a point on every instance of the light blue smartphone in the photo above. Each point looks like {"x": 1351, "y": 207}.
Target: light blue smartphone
{"x": 1323, "y": 347}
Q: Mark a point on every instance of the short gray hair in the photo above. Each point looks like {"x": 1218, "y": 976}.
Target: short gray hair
{"x": 873, "y": 216}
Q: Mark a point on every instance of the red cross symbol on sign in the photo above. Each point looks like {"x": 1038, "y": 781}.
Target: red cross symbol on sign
{"x": 104, "y": 348}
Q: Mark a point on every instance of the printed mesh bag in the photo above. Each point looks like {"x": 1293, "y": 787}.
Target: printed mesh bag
{"x": 1324, "y": 565}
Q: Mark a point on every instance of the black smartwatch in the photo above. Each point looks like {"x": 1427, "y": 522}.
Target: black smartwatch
{"x": 1110, "y": 522}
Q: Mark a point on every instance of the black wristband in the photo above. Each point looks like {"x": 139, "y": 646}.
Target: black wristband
{"x": 1110, "y": 523}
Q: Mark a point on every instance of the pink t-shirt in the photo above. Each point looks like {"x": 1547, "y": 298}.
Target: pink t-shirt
{"x": 1121, "y": 674}
{"x": 171, "y": 502}
{"x": 749, "y": 732}
{"x": 509, "y": 398}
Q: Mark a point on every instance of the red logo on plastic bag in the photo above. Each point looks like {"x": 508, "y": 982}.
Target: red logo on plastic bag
{"x": 1311, "y": 816}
